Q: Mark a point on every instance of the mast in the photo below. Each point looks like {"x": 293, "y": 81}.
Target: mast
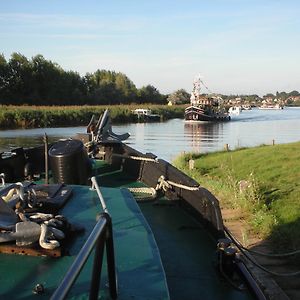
{"x": 196, "y": 90}
{"x": 196, "y": 98}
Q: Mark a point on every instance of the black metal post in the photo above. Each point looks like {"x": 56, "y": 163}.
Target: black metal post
{"x": 111, "y": 266}
{"x": 46, "y": 159}
{"x": 74, "y": 271}
{"x": 97, "y": 267}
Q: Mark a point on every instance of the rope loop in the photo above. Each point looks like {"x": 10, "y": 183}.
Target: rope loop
{"x": 143, "y": 193}
{"x": 168, "y": 184}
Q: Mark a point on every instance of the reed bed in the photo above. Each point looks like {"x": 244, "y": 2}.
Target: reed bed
{"x": 57, "y": 116}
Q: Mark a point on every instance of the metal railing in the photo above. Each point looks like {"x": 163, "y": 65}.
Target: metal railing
{"x": 100, "y": 236}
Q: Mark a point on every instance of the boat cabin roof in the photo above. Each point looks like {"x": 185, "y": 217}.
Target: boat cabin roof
{"x": 142, "y": 111}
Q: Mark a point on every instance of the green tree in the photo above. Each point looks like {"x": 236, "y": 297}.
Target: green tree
{"x": 109, "y": 87}
{"x": 179, "y": 97}
{"x": 43, "y": 82}
{"x": 47, "y": 80}
{"x": 4, "y": 79}
{"x": 20, "y": 79}
{"x": 294, "y": 93}
{"x": 269, "y": 95}
{"x": 150, "y": 94}
{"x": 126, "y": 88}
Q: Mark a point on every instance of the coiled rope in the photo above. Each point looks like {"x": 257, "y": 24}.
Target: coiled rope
{"x": 162, "y": 184}
{"x": 165, "y": 185}
{"x": 143, "y": 193}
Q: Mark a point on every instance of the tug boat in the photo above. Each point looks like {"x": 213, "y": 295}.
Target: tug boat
{"x": 204, "y": 107}
{"x": 91, "y": 217}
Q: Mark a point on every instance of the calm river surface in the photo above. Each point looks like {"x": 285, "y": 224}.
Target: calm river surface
{"x": 168, "y": 139}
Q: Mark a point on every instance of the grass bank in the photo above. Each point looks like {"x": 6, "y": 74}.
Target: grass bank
{"x": 263, "y": 182}
{"x": 55, "y": 116}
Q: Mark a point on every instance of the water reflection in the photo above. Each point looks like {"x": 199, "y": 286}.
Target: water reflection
{"x": 13, "y": 142}
{"x": 10, "y": 139}
{"x": 170, "y": 138}
{"x": 203, "y": 135}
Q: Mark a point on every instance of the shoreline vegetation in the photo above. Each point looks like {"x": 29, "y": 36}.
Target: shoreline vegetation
{"x": 261, "y": 183}
{"x": 38, "y": 81}
{"x": 25, "y": 117}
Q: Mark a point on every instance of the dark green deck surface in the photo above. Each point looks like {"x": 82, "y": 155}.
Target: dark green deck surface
{"x": 187, "y": 250}
{"x": 24, "y": 272}
{"x": 188, "y": 253}
{"x": 140, "y": 275}
{"x": 139, "y": 268}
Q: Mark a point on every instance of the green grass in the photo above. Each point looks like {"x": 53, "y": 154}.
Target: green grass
{"x": 271, "y": 200}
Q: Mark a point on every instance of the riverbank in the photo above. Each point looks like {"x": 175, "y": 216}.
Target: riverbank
{"x": 12, "y": 117}
{"x": 261, "y": 182}
{"x": 258, "y": 189}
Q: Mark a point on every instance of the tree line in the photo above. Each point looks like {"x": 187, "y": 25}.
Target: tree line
{"x": 38, "y": 81}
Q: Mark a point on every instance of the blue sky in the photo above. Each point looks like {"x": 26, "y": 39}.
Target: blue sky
{"x": 238, "y": 46}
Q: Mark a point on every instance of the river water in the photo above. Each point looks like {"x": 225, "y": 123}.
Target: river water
{"x": 168, "y": 139}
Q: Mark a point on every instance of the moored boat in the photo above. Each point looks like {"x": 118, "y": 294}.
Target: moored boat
{"x": 204, "y": 107}
{"x": 163, "y": 233}
{"x": 246, "y": 107}
{"x": 146, "y": 115}
{"x": 271, "y": 106}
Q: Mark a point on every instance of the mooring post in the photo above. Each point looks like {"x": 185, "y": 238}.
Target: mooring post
{"x": 191, "y": 164}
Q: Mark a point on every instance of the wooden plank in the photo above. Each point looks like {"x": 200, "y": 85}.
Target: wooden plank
{"x": 31, "y": 251}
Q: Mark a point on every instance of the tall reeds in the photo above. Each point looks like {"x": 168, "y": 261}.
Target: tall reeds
{"x": 55, "y": 116}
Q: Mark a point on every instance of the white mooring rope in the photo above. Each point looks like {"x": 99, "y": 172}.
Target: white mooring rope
{"x": 166, "y": 184}
{"x": 143, "y": 193}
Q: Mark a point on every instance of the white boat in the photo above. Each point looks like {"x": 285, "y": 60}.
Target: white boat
{"x": 246, "y": 107}
{"x": 234, "y": 110}
{"x": 144, "y": 114}
{"x": 271, "y": 106}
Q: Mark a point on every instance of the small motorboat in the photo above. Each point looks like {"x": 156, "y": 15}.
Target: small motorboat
{"x": 146, "y": 115}
{"x": 234, "y": 110}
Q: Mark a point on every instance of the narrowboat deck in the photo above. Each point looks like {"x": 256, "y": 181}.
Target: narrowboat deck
{"x": 187, "y": 250}
{"x": 145, "y": 234}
